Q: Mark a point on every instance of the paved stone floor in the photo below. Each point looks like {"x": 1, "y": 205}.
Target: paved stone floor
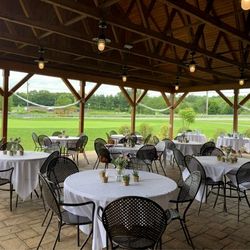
{"x": 212, "y": 229}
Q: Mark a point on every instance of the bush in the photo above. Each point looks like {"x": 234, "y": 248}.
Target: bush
{"x": 218, "y": 132}
{"x": 247, "y": 133}
{"x": 145, "y": 129}
{"x": 163, "y": 133}
{"x": 188, "y": 116}
{"x": 125, "y": 129}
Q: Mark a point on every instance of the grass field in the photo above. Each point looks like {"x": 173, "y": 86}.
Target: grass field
{"x": 97, "y": 127}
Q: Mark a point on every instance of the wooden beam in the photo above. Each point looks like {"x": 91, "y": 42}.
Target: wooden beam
{"x": 128, "y": 25}
{"x": 180, "y": 99}
{"x": 243, "y": 101}
{"x": 133, "y": 111}
{"x": 82, "y": 106}
{"x": 19, "y": 84}
{"x": 125, "y": 93}
{"x": 1, "y": 91}
{"x": 235, "y": 117}
{"x": 225, "y": 98}
{"x": 141, "y": 96}
{"x": 166, "y": 99}
{"x": 171, "y": 117}
{"x": 108, "y": 3}
{"x": 213, "y": 21}
{"x": 92, "y": 91}
{"x": 71, "y": 88}
{"x": 5, "y": 103}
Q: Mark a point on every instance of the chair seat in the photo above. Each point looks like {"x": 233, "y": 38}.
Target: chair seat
{"x": 73, "y": 219}
{"x": 172, "y": 214}
{"x": 4, "y": 181}
{"x": 210, "y": 181}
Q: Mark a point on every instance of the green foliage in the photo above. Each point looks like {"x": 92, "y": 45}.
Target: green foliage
{"x": 247, "y": 132}
{"x": 163, "y": 132}
{"x": 145, "y": 129}
{"x": 218, "y": 132}
{"x": 124, "y": 129}
{"x": 188, "y": 116}
{"x": 182, "y": 129}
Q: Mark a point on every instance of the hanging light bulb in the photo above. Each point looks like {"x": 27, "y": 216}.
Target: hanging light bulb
{"x": 192, "y": 64}
{"x": 40, "y": 61}
{"x": 124, "y": 73}
{"x": 101, "y": 44}
{"x": 245, "y": 4}
{"x": 242, "y": 79}
{"x": 176, "y": 86}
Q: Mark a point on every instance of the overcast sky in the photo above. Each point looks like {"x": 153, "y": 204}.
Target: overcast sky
{"x": 53, "y": 84}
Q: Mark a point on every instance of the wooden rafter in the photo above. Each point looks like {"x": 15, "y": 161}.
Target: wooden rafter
{"x": 71, "y": 88}
{"x": 92, "y": 91}
{"x": 166, "y": 99}
{"x": 19, "y": 84}
{"x": 125, "y": 93}
{"x": 243, "y": 101}
{"x": 225, "y": 98}
{"x": 1, "y": 91}
{"x": 138, "y": 100}
{"x": 180, "y": 100}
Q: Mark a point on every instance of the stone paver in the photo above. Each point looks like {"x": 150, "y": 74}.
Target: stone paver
{"x": 212, "y": 229}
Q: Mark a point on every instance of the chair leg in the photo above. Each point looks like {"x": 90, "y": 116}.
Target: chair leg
{"x": 58, "y": 234}
{"x": 238, "y": 205}
{"x": 156, "y": 168}
{"x": 16, "y": 199}
{"x": 187, "y": 234}
{"x": 216, "y": 199}
{"x": 85, "y": 242}
{"x": 45, "y": 217}
{"x": 11, "y": 194}
{"x": 45, "y": 231}
{"x": 203, "y": 192}
{"x": 245, "y": 194}
{"x": 85, "y": 156}
{"x": 162, "y": 167}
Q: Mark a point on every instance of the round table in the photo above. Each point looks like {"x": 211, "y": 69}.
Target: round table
{"x": 65, "y": 141}
{"x": 188, "y": 148}
{"x": 119, "y": 148}
{"x": 197, "y": 137}
{"x": 235, "y": 143}
{"x": 87, "y": 185}
{"x": 26, "y": 169}
{"x": 118, "y": 137}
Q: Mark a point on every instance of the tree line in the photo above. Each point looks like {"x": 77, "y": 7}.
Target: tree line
{"x": 118, "y": 103}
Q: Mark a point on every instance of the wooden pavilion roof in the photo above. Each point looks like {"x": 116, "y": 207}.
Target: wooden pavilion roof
{"x": 163, "y": 34}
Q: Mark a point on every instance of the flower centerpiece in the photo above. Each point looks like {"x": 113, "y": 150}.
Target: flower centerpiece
{"x": 14, "y": 145}
{"x": 126, "y": 179}
{"x": 135, "y": 175}
{"x": 120, "y": 163}
{"x": 228, "y": 151}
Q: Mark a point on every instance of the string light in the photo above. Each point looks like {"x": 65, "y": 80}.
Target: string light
{"x": 124, "y": 73}
{"x": 192, "y": 64}
{"x": 245, "y": 4}
{"x": 40, "y": 61}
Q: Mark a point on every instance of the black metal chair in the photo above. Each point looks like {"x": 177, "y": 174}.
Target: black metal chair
{"x": 212, "y": 151}
{"x": 155, "y": 139}
{"x": 209, "y": 144}
{"x": 98, "y": 144}
{"x": 47, "y": 145}
{"x": 179, "y": 159}
{"x": 145, "y": 156}
{"x": 194, "y": 165}
{"x": 240, "y": 183}
{"x": 160, "y": 149}
{"x": 5, "y": 180}
{"x": 146, "y": 140}
{"x": 112, "y": 132}
{"x": 56, "y": 133}
{"x": 64, "y": 217}
{"x": 134, "y": 222}
{"x": 170, "y": 146}
{"x": 8, "y": 146}
{"x": 77, "y": 149}
{"x": 36, "y": 142}
{"x": 186, "y": 195}
{"x": 104, "y": 157}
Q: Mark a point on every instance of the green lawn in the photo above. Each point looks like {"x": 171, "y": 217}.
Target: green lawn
{"x": 97, "y": 127}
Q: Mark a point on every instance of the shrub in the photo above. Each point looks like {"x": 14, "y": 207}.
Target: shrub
{"x": 163, "y": 133}
{"x": 247, "y": 132}
{"x": 218, "y": 132}
{"x": 188, "y": 116}
{"x": 125, "y": 129}
{"x": 145, "y": 129}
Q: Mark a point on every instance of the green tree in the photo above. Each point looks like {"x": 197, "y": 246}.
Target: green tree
{"x": 188, "y": 116}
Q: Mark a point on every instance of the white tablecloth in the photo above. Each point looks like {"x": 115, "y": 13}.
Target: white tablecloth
{"x": 189, "y": 148}
{"x": 115, "y": 149}
{"x": 196, "y": 137}
{"x": 118, "y": 137}
{"x": 86, "y": 185}
{"x": 26, "y": 169}
{"x": 235, "y": 143}
{"x": 65, "y": 142}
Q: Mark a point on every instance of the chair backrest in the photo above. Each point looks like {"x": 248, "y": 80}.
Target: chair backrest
{"x": 85, "y": 140}
{"x": 47, "y": 141}
{"x": 98, "y": 144}
{"x": 155, "y": 139}
{"x": 179, "y": 159}
{"x": 35, "y": 138}
{"x": 112, "y": 132}
{"x": 206, "y": 145}
{"x": 170, "y": 145}
{"x": 41, "y": 140}
{"x": 104, "y": 155}
{"x": 123, "y": 140}
{"x": 79, "y": 143}
{"x": 44, "y": 167}
{"x": 217, "y": 152}
{"x": 147, "y": 152}
{"x": 60, "y": 168}
{"x": 194, "y": 165}
{"x": 190, "y": 187}
{"x": 50, "y": 196}
{"x": 136, "y": 217}
{"x": 146, "y": 140}
{"x": 243, "y": 174}
{"x": 56, "y": 133}
{"x": 8, "y": 146}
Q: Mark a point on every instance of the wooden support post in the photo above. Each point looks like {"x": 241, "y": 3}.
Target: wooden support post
{"x": 82, "y": 106}
{"x": 236, "y": 107}
{"x": 171, "y": 117}
{"x": 133, "y": 112}
{"x": 6, "y": 74}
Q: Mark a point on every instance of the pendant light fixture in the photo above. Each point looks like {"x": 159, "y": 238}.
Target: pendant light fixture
{"x": 40, "y": 61}
{"x": 124, "y": 73}
{"x": 176, "y": 87}
{"x": 101, "y": 39}
{"x": 242, "y": 80}
{"x": 245, "y": 4}
{"x": 192, "y": 64}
